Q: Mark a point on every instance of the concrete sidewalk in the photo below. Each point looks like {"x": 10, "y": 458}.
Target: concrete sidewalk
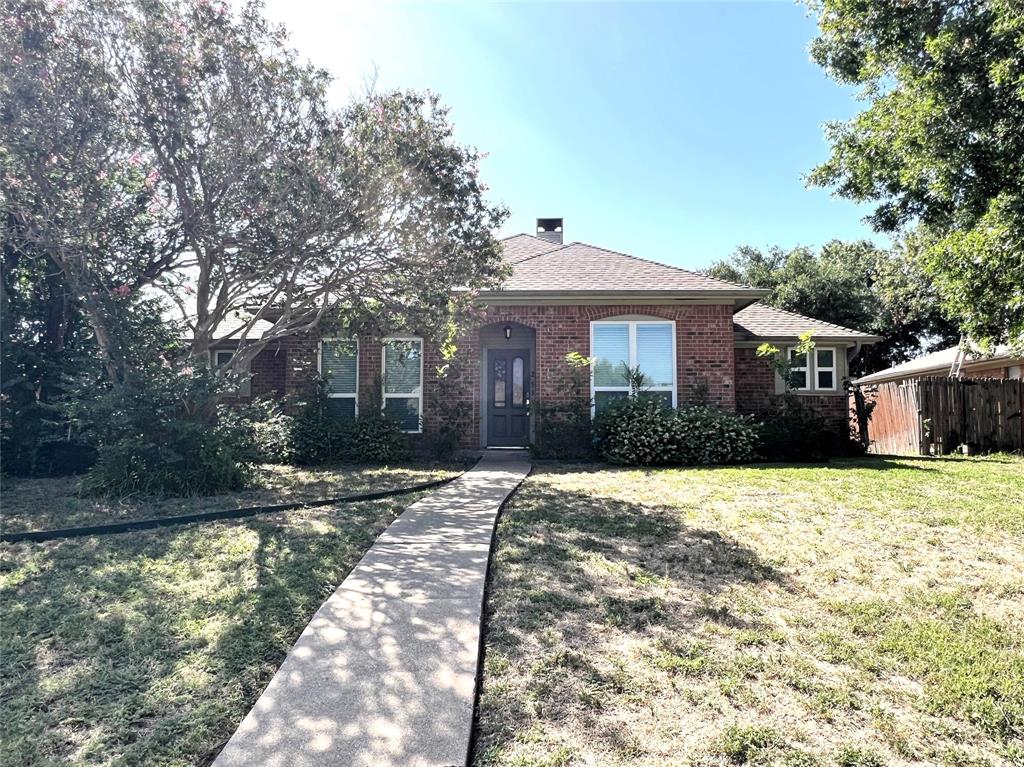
{"x": 385, "y": 672}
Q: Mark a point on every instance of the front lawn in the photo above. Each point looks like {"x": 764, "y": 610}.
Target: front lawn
{"x": 40, "y": 504}
{"x": 863, "y": 612}
{"x": 148, "y": 648}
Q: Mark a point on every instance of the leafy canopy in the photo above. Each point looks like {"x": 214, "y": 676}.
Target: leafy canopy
{"x": 940, "y": 145}
{"x": 183, "y": 147}
{"x": 854, "y": 284}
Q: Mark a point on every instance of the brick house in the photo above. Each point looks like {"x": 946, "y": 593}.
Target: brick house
{"x": 693, "y": 336}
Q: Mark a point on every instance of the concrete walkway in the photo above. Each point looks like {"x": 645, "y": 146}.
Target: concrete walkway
{"x": 385, "y": 672}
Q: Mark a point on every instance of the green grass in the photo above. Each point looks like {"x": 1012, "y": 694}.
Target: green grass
{"x": 40, "y": 504}
{"x": 863, "y": 612}
{"x": 149, "y": 648}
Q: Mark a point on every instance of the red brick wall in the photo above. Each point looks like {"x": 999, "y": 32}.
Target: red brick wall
{"x": 704, "y": 353}
{"x": 704, "y": 344}
{"x": 755, "y": 387}
{"x": 268, "y": 370}
{"x": 755, "y": 382}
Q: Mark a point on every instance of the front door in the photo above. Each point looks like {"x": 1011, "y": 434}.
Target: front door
{"x": 508, "y": 397}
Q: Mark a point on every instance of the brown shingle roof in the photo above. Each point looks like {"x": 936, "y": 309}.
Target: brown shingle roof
{"x": 540, "y": 266}
{"x": 761, "y": 321}
{"x": 522, "y": 246}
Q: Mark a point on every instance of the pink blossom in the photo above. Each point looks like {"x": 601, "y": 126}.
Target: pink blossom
{"x": 135, "y": 159}
{"x": 122, "y": 290}
{"x": 16, "y": 60}
{"x": 151, "y": 178}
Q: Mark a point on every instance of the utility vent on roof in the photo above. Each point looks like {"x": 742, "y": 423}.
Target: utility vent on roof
{"x": 550, "y": 229}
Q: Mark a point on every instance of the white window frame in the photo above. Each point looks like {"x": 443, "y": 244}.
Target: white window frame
{"x": 320, "y": 370}
{"x": 806, "y": 368}
{"x": 383, "y": 377}
{"x": 811, "y": 369}
{"x": 834, "y": 369}
{"x": 244, "y": 389}
{"x": 633, "y": 325}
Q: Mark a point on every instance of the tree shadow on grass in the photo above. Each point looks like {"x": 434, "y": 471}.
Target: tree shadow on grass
{"x": 150, "y": 647}
{"x": 599, "y": 573}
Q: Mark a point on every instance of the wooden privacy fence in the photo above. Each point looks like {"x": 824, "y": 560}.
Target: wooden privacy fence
{"x": 940, "y": 414}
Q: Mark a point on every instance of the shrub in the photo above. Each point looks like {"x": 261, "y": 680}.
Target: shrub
{"x": 378, "y": 438}
{"x": 562, "y": 430}
{"x": 159, "y": 434}
{"x": 641, "y": 431}
{"x": 795, "y": 431}
{"x": 316, "y": 435}
{"x": 262, "y": 429}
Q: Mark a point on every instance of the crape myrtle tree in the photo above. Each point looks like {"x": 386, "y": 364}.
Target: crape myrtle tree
{"x": 81, "y": 230}
{"x": 855, "y": 284}
{"x": 940, "y": 144}
{"x": 230, "y": 184}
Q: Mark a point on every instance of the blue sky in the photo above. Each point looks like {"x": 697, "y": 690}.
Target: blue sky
{"x": 674, "y": 131}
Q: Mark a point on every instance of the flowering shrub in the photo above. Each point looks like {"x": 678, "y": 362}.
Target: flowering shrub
{"x": 641, "y": 431}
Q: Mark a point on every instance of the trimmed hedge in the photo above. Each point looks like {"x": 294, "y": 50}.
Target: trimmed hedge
{"x": 641, "y": 431}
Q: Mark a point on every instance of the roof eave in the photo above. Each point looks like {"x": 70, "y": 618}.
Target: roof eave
{"x": 883, "y": 376}
{"x": 745, "y": 297}
{"x": 749, "y": 337}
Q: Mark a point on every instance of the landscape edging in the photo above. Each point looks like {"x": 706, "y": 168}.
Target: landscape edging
{"x": 206, "y": 516}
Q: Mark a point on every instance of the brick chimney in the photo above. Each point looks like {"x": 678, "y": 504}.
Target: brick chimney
{"x": 550, "y": 229}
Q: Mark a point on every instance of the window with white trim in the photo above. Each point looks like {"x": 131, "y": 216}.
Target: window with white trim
{"x": 825, "y": 369}
{"x": 814, "y": 371}
{"x": 798, "y": 373}
{"x": 402, "y": 364}
{"x": 222, "y": 358}
{"x": 339, "y": 369}
{"x": 618, "y": 345}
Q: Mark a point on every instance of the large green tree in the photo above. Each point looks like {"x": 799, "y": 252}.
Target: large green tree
{"x": 940, "y": 144}
{"x": 182, "y": 146}
{"x": 854, "y": 284}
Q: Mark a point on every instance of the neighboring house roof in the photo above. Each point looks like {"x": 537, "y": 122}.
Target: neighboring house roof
{"x": 759, "y": 322}
{"x": 542, "y": 267}
{"x": 939, "y": 363}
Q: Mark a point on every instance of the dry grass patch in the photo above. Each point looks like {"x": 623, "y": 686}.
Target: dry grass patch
{"x": 148, "y": 648}
{"x": 863, "y": 612}
{"x": 40, "y": 504}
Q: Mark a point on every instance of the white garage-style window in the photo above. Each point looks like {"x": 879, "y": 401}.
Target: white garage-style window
{"x": 813, "y": 371}
{"x": 403, "y": 380}
{"x": 339, "y": 369}
{"x": 618, "y": 345}
{"x": 221, "y": 358}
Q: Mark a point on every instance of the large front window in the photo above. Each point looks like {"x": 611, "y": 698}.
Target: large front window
{"x": 403, "y": 381}
{"x": 618, "y": 347}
